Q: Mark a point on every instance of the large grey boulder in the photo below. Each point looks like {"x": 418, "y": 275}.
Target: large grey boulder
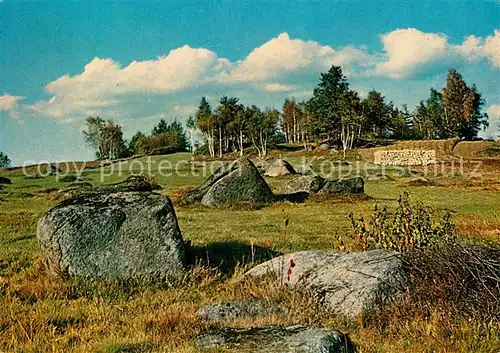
{"x": 112, "y": 236}
{"x": 280, "y": 168}
{"x": 239, "y": 181}
{"x": 313, "y": 184}
{"x": 230, "y": 310}
{"x": 277, "y": 339}
{"x": 345, "y": 283}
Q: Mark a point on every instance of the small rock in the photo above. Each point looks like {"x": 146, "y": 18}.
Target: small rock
{"x": 350, "y": 186}
{"x": 420, "y": 181}
{"x": 226, "y": 311}
{"x": 132, "y": 183}
{"x": 280, "y": 168}
{"x": 4, "y": 180}
{"x": 310, "y": 184}
{"x": 304, "y": 169}
{"x": 377, "y": 177}
{"x": 278, "y": 339}
{"x": 315, "y": 184}
{"x": 324, "y": 146}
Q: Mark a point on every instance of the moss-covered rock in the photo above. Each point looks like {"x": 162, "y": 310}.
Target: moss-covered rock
{"x": 112, "y": 236}
{"x": 277, "y": 339}
{"x": 239, "y": 181}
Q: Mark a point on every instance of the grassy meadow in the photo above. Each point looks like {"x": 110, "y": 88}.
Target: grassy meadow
{"x": 40, "y": 313}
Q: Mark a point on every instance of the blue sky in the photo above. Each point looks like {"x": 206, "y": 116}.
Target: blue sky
{"x": 137, "y": 62}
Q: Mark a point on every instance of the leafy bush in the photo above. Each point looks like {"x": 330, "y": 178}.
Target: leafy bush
{"x": 168, "y": 142}
{"x": 443, "y": 275}
{"x": 409, "y": 227}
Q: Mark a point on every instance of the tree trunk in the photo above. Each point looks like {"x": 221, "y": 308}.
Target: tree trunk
{"x": 241, "y": 142}
{"x": 220, "y": 142}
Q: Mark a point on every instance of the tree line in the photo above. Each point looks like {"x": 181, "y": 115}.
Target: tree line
{"x": 335, "y": 113}
{"x": 106, "y": 138}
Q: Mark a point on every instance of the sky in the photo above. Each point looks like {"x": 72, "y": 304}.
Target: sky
{"x": 138, "y": 62}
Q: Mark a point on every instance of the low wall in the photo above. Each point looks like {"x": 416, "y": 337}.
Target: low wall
{"x": 404, "y": 157}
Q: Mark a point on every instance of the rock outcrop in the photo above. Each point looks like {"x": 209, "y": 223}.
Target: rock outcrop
{"x": 112, "y": 236}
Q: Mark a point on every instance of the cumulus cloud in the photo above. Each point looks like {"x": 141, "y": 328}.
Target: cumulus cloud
{"x": 282, "y": 65}
{"x": 493, "y": 131}
{"x": 10, "y": 104}
{"x": 474, "y": 48}
{"x": 104, "y": 81}
{"x": 409, "y": 52}
{"x": 282, "y": 55}
{"x": 278, "y": 87}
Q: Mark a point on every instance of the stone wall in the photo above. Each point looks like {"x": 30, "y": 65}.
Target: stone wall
{"x": 405, "y": 157}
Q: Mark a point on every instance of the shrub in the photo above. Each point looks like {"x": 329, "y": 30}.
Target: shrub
{"x": 165, "y": 143}
{"x": 409, "y": 227}
{"x": 443, "y": 275}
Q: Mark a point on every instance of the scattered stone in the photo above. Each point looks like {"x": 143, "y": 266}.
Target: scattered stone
{"x": 227, "y": 311}
{"x": 378, "y": 176}
{"x": 54, "y": 169}
{"x": 280, "y": 168}
{"x": 310, "y": 184}
{"x": 4, "y": 180}
{"x": 132, "y": 183}
{"x": 324, "y": 146}
{"x": 420, "y": 181}
{"x": 404, "y": 173}
{"x": 344, "y": 163}
{"x": 345, "y": 283}
{"x": 304, "y": 169}
{"x": 350, "y": 186}
{"x": 315, "y": 184}
{"x": 77, "y": 189}
{"x": 112, "y": 236}
{"x": 239, "y": 181}
{"x": 333, "y": 151}
{"x": 405, "y": 157}
{"x": 278, "y": 339}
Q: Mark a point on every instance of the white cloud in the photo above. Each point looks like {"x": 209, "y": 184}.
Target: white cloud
{"x": 474, "y": 48}
{"x": 104, "y": 81}
{"x": 410, "y": 51}
{"x": 282, "y": 65}
{"x": 494, "y": 111}
{"x": 277, "y": 87}
{"x": 493, "y": 131}
{"x": 9, "y": 102}
{"x": 282, "y": 55}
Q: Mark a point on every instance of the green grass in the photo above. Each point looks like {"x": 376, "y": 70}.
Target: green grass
{"x": 39, "y": 313}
